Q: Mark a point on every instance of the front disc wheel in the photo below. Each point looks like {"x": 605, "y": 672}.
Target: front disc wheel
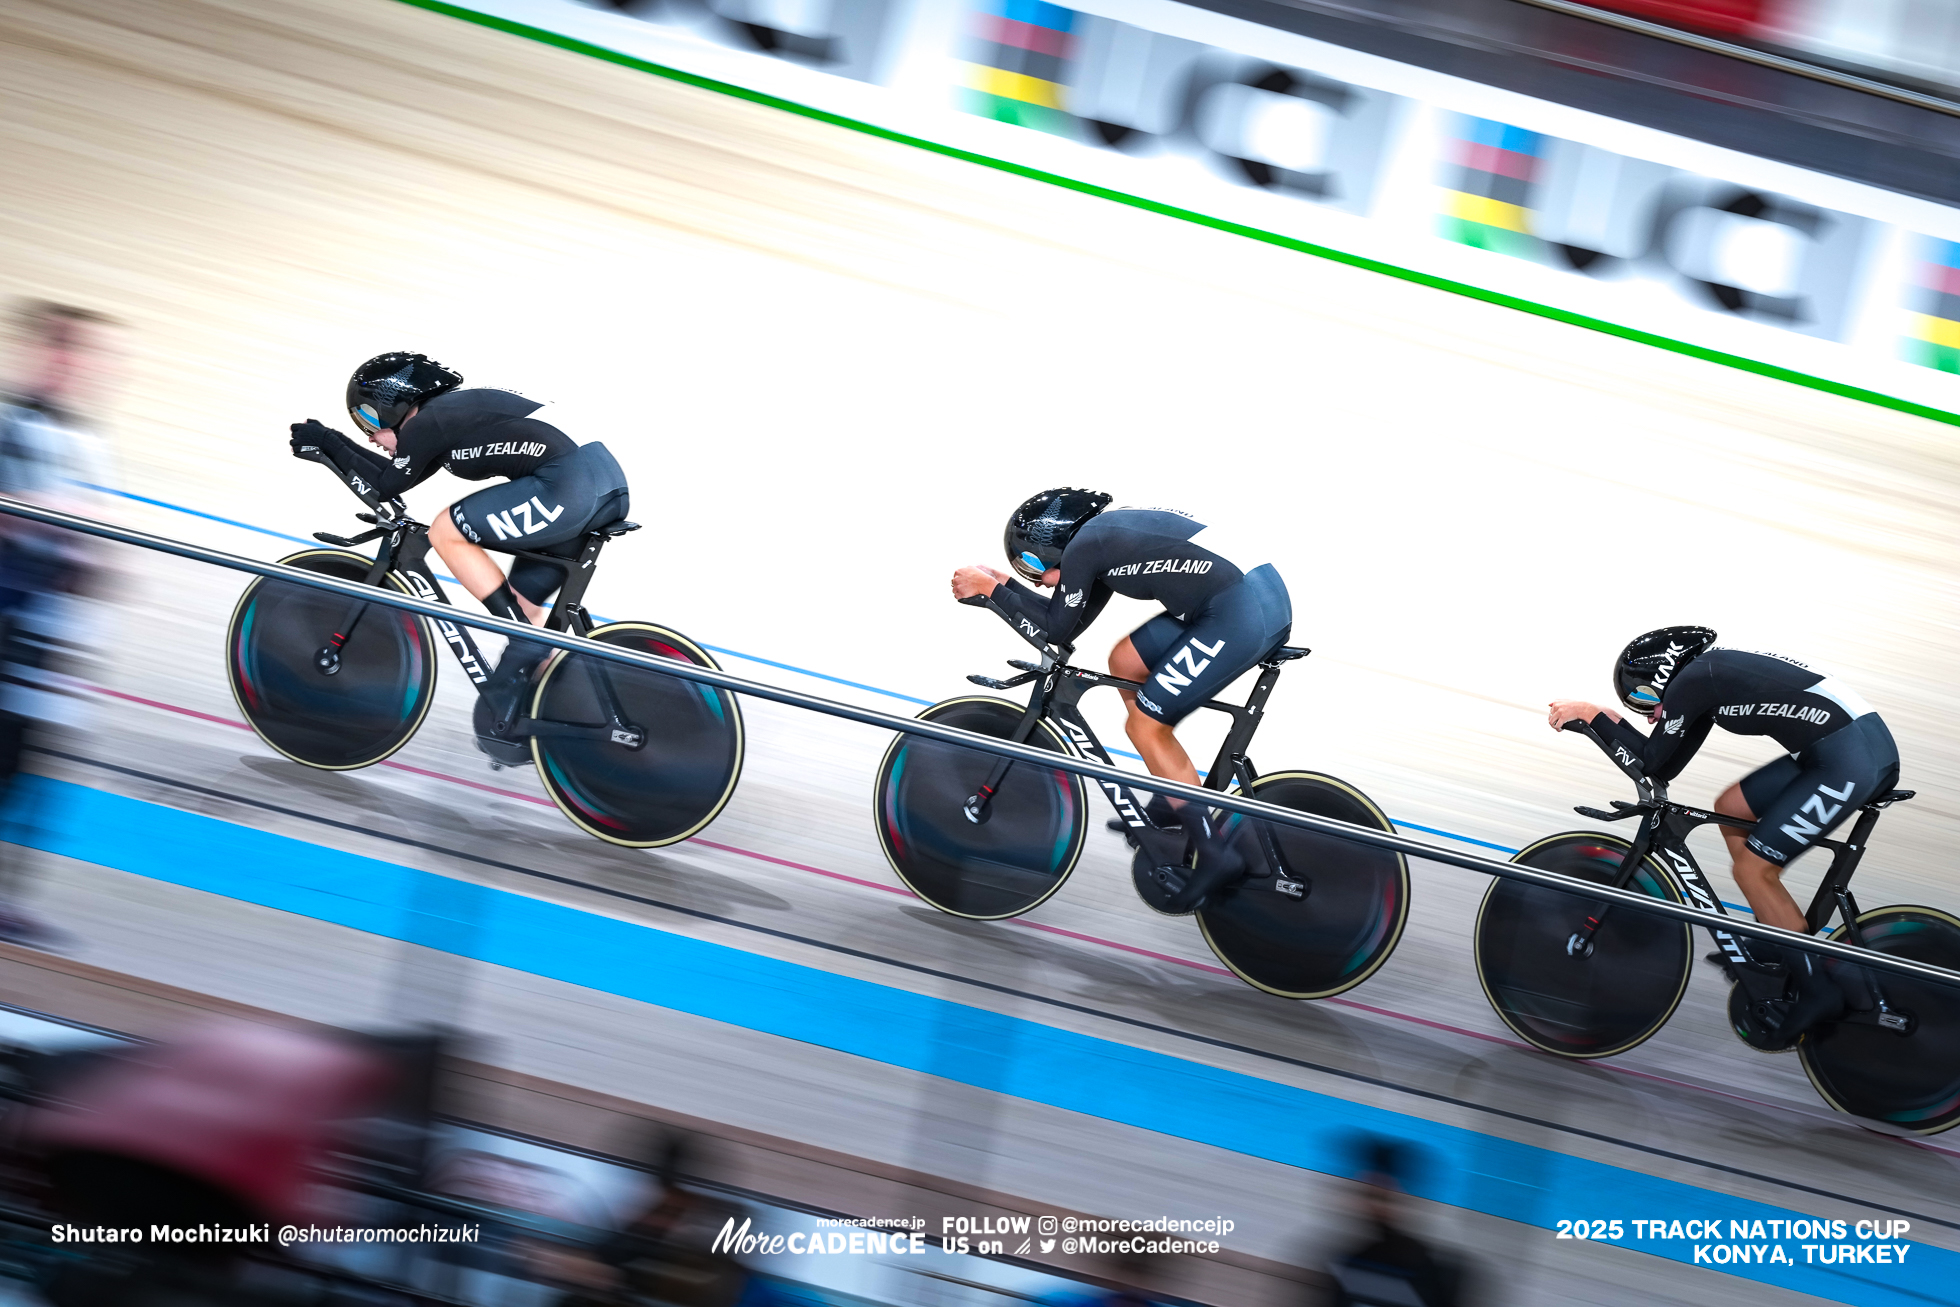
{"x": 1013, "y": 861}
{"x": 1581, "y": 1004}
{"x": 357, "y": 706}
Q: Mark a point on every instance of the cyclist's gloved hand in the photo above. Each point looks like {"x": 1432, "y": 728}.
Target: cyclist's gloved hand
{"x": 312, "y": 439}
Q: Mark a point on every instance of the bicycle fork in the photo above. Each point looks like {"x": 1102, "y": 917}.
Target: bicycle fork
{"x": 1580, "y": 943}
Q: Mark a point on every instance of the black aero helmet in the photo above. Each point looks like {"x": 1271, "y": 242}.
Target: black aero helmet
{"x": 1644, "y": 668}
{"x": 383, "y": 389}
{"x": 1040, "y": 529}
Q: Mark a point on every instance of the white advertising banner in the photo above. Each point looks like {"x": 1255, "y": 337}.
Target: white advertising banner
{"x": 1777, "y": 267}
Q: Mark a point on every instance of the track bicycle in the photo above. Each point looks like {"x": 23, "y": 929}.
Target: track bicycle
{"x": 985, "y": 837}
{"x": 1586, "y": 979}
{"x": 631, "y": 756}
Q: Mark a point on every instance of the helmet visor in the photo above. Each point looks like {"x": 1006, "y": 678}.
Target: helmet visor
{"x": 365, "y": 418}
{"x": 1030, "y": 567}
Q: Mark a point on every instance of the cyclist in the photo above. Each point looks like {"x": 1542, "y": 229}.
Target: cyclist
{"x": 1222, "y": 614}
{"x": 1839, "y": 755}
{"x": 415, "y": 411}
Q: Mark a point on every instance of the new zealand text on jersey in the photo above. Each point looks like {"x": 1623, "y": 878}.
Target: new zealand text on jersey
{"x": 521, "y": 448}
{"x": 1816, "y": 716}
{"x": 1195, "y": 566}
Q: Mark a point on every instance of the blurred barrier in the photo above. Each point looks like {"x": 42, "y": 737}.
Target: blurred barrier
{"x": 1919, "y": 39}
{"x": 985, "y": 744}
{"x": 1712, "y": 252}
{"x": 1749, "y": 21}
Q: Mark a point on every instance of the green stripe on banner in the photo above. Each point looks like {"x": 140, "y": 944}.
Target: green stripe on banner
{"x": 1757, "y": 366}
{"x": 897, "y": 1027}
{"x": 1019, "y": 113}
{"x": 1498, "y": 240}
{"x": 1925, "y": 353}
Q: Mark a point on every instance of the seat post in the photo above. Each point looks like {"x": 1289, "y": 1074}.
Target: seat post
{"x": 569, "y": 612}
{"x": 1834, "y": 892}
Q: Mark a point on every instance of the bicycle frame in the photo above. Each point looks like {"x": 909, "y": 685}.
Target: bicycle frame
{"x": 404, "y": 550}
{"x": 1058, "y": 691}
{"x": 1664, "y": 830}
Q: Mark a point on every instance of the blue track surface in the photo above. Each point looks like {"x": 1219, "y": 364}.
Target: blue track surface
{"x": 898, "y": 1028}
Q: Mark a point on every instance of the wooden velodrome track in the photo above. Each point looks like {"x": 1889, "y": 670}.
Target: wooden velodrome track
{"x": 830, "y": 363}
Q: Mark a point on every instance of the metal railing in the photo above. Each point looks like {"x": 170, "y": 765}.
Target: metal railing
{"x": 985, "y": 744}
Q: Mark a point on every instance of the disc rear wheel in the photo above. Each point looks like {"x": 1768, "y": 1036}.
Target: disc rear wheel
{"x": 1909, "y": 1080}
{"x": 1591, "y": 1006}
{"x": 354, "y": 715}
{"x": 1351, "y": 915}
{"x": 680, "y": 774}
{"x": 1004, "y": 866}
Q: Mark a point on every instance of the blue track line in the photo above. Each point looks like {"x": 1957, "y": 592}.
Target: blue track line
{"x": 766, "y": 662}
{"x": 825, "y": 676}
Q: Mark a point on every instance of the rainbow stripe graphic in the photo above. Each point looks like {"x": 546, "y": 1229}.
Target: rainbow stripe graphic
{"x": 1017, "y": 66}
{"x": 1934, "y": 341}
{"x": 1492, "y": 166}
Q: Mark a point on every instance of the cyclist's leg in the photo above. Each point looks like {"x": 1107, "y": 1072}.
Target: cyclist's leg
{"x": 1759, "y": 880}
{"x": 1188, "y": 664}
{"x": 547, "y": 510}
{"x": 1820, "y": 789}
{"x": 472, "y": 565}
{"x": 1156, "y": 635}
{"x": 1234, "y": 632}
{"x": 543, "y": 512}
{"x": 535, "y": 580}
{"x": 1836, "y": 775}
{"x": 1132, "y": 659}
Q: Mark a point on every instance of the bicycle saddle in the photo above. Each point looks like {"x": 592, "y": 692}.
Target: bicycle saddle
{"x": 1891, "y": 797}
{"x": 570, "y": 549}
{"x": 1286, "y": 653}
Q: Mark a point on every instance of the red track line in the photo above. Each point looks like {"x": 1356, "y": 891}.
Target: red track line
{"x": 799, "y": 866}
{"x": 1127, "y": 948}
{"x": 169, "y": 707}
{"x": 1036, "y": 925}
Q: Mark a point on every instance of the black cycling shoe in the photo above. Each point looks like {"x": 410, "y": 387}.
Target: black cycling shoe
{"x": 1158, "y": 812}
{"x": 501, "y": 750}
{"x": 1212, "y": 865}
{"x": 1755, "y": 1023}
{"x": 1816, "y": 998}
{"x": 501, "y": 701}
{"x": 504, "y": 693}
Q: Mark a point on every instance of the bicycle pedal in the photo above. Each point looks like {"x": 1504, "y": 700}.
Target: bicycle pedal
{"x": 504, "y": 753}
{"x": 1750, "y": 1023}
{"x": 1158, "y": 885}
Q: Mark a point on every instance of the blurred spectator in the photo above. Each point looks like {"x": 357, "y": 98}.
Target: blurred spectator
{"x": 510, "y": 1183}
{"x": 665, "y": 1255}
{"x": 50, "y": 456}
{"x": 1390, "y": 1267}
{"x": 227, "y": 1127}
